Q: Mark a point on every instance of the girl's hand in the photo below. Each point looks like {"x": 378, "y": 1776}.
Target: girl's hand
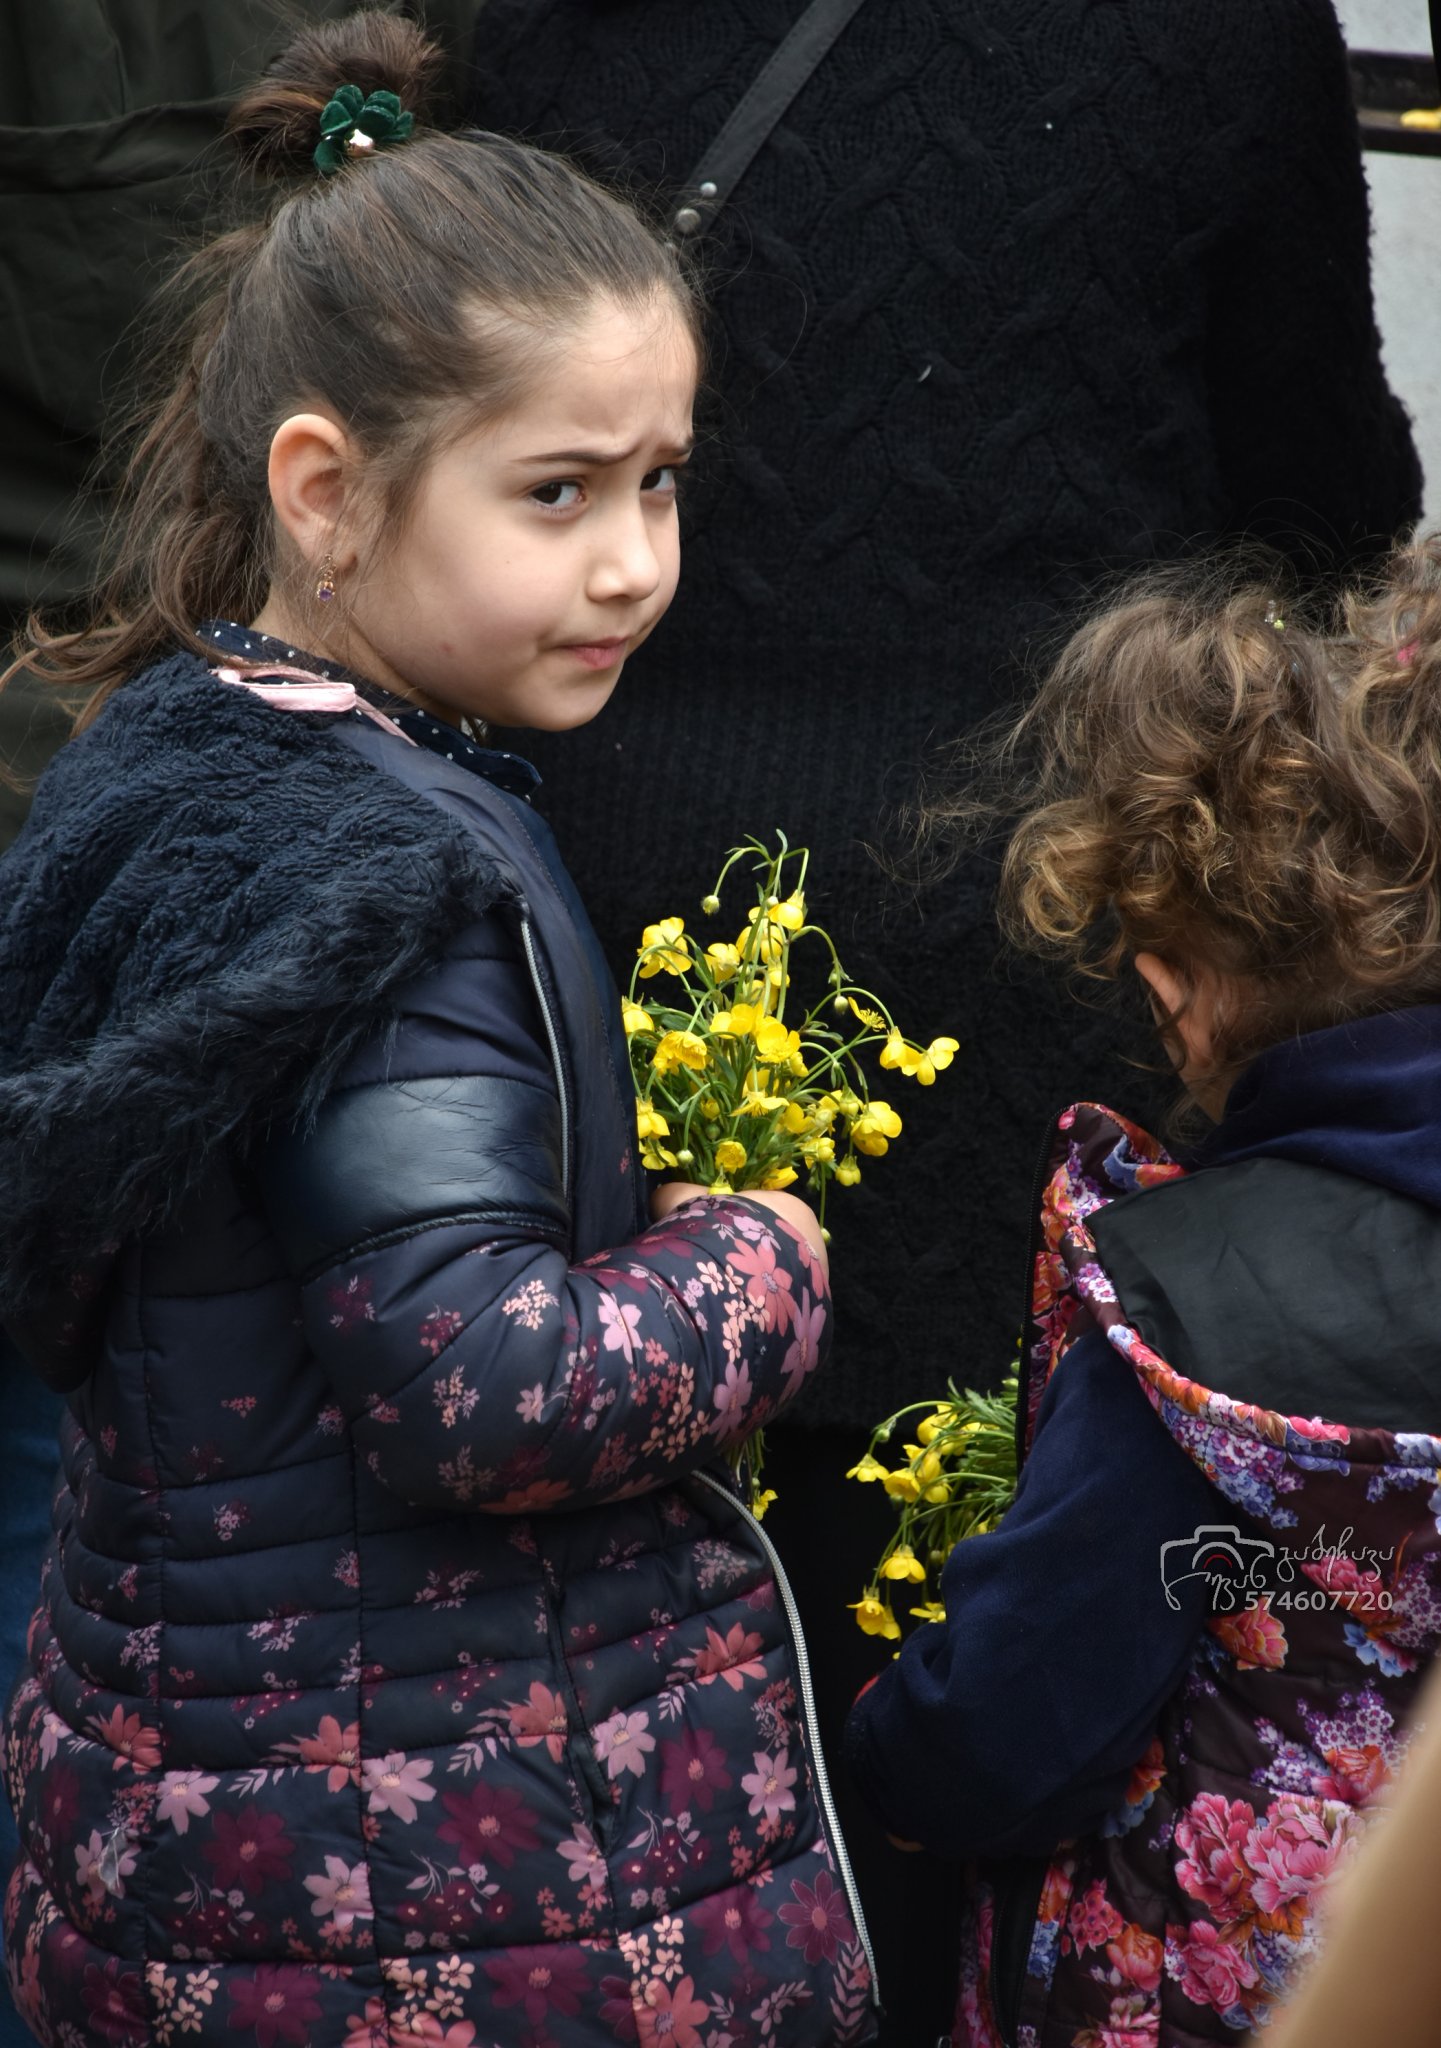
{"x": 671, "y": 1194}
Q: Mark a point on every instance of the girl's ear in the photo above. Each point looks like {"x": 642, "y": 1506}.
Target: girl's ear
{"x": 1166, "y": 986}
{"x": 1188, "y": 1011}
{"x": 310, "y": 462}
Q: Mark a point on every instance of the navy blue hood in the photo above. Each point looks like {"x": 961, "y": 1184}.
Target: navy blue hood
{"x": 1363, "y": 1098}
{"x": 210, "y": 909}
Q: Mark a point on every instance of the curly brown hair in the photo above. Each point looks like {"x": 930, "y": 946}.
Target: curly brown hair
{"x": 1233, "y": 784}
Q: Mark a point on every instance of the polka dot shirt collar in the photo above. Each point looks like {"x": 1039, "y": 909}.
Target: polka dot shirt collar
{"x": 510, "y": 772}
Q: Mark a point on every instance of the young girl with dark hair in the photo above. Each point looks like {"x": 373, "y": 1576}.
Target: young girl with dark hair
{"x": 401, "y": 1670}
{"x": 1169, "y": 1686}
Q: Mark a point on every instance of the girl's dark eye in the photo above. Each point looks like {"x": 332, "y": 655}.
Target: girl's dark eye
{"x": 554, "y": 495}
{"x": 661, "y": 480}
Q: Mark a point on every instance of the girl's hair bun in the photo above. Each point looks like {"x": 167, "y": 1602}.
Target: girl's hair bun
{"x": 276, "y": 123}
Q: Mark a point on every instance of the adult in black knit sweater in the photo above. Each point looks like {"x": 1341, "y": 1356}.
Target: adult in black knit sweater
{"x": 1019, "y": 293}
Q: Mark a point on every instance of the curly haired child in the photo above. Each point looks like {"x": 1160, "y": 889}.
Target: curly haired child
{"x": 1169, "y": 1686}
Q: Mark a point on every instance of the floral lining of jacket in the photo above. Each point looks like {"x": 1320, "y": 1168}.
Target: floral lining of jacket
{"x": 1184, "y": 1917}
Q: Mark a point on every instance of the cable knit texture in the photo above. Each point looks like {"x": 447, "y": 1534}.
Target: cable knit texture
{"x": 1013, "y": 297}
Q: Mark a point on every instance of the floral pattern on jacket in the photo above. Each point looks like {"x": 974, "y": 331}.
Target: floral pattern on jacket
{"x": 402, "y": 1674}
{"x": 1186, "y": 1915}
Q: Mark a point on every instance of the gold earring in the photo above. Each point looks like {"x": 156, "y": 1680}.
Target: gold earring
{"x": 325, "y": 587}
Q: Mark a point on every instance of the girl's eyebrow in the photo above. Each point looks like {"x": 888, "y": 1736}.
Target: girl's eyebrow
{"x": 593, "y": 458}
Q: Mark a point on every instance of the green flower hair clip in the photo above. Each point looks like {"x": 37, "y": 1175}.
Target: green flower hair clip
{"x": 350, "y": 122}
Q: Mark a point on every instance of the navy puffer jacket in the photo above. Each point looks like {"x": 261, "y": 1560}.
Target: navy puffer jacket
{"x": 401, "y": 1669}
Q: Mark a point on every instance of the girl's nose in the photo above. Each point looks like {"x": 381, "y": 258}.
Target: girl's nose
{"x": 626, "y": 563}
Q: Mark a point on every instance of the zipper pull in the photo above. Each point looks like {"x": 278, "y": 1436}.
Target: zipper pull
{"x": 107, "y": 1867}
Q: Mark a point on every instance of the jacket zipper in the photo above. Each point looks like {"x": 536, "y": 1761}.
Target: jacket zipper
{"x": 788, "y": 1601}
{"x": 808, "y": 1708}
{"x": 562, "y": 1079}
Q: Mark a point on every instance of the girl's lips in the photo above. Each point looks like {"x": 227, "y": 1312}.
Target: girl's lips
{"x": 597, "y": 653}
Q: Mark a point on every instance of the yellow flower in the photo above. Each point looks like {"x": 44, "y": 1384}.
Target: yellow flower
{"x": 720, "y": 1187}
{"x": 761, "y": 1502}
{"x": 755, "y": 1104}
{"x": 729, "y": 1156}
{"x": 902, "y": 1484}
{"x": 791, "y": 913}
{"x": 929, "y": 1610}
{"x": 660, "y": 950}
{"x": 841, "y": 1102}
{"x": 904, "y": 1564}
{"x": 649, "y": 1121}
{"x": 679, "y": 1049}
{"x": 656, "y": 1156}
{"x": 918, "y": 1065}
{"x": 737, "y": 1023}
{"x": 795, "y": 1120}
{"x": 875, "y": 1618}
{"x": 934, "y": 1424}
{"x": 926, "y": 1464}
{"x": 765, "y": 942}
{"x": 872, "y": 1017}
{"x": 818, "y": 1150}
{"x": 637, "y": 1020}
{"x": 868, "y": 1468}
{"x": 774, "y": 1042}
{"x": 848, "y": 1172}
{"x": 723, "y": 960}
{"x": 779, "y": 1177}
{"x": 929, "y": 1473}
{"x": 873, "y": 1129}
{"x": 936, "y": 1057}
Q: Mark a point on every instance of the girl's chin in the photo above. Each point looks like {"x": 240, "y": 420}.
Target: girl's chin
{"x": 578, "y": 707}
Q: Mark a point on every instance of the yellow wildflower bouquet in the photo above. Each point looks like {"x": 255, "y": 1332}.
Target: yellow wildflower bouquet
{"x": 737, "y": 1084}
{"x": 741, "y": 1085}
{"x": 957, "y": 1480}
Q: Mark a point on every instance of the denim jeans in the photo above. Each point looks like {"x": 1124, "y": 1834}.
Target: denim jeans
{"x": 30, "y": 1413}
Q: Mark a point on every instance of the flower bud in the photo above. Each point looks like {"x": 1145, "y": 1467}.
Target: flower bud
{"x": 710, "y": 905}
{"x": 685, "y": 1157}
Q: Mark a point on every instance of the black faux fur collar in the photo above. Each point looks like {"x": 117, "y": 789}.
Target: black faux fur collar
{"x": 211, "y": 906}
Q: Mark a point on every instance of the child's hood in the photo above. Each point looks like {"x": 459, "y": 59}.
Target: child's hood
{"x": 1299, "y": 1266}
{"x": 1362, "y": 1098}
{"x": 210, "y": 908}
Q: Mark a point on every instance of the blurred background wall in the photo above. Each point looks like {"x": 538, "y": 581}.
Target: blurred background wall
{"x": 1406, "y": 215}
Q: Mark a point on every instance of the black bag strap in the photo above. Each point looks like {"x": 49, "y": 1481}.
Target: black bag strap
{"x": 730, "y": 156}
